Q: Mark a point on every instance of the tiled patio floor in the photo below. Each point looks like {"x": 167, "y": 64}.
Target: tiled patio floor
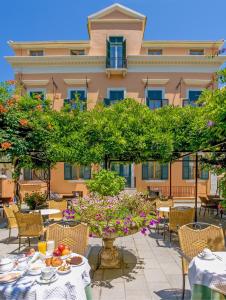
{"x": 151, "y": 268}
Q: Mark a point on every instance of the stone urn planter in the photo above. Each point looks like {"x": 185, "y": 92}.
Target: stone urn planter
{"x": 110, "y": 257}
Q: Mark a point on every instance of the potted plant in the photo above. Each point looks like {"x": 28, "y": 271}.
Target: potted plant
{"x": 111, "y": 215}
{"x": 35, "y": 200}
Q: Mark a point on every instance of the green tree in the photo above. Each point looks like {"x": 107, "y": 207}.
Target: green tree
{"x": 27, "y": 129}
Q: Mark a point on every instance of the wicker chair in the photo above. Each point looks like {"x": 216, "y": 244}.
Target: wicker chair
{"x": 61, "y": 205}
{"x": 75, "y": 237}
{"x": 195, "y": 237}
{"x": 9, "y": 213}
{"x": 207, "y": 204}
{"x": 14, "y": 207}
{"x": 29, "y": 226}
{"x": 179, "y": 216}
{"x": 159, "y": 203}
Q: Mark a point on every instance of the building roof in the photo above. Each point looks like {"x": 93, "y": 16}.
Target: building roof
{"x": 116, "y": 6}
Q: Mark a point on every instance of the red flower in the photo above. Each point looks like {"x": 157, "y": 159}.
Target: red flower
{"x": 6, "y": 145}
{"x": 10, "y": 81}
{"x": 10, "y": 102}
{"x": 39, "y": 107}
{"x": 37, "y": 96}
{"x": 15, "y": 97}
{"x": 23, "y": 122}
{"x": 2, "y": 109}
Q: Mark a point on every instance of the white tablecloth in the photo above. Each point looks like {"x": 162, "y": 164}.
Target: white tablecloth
{"x": 208, "y": 272}
{"x": 70, "y": 286}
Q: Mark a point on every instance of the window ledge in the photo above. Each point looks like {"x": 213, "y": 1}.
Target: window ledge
{"x": 76, "y": 180}
{"x": 155, "y": 180}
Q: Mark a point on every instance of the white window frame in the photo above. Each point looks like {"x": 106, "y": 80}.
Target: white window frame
{"x": 37, "y": 90}
{"x": 155, "y": 89}
{"x": 196, "y": 49}
{"x": 69, "y": 90}
{"x": 28, "y": 52}
{"x": 116, "y": 89}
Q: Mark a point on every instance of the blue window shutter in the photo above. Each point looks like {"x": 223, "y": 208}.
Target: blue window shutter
{"x": 164, "y": 171}
{"x": 155, "y": 94}
{"x": 185, "y": 166}
{"x": 204, "y": 174}
{"x": 145, "y": 171}
{"x": 194, "y": 95}
{"x": 67, "y": 171}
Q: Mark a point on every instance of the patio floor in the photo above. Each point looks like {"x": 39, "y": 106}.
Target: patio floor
{"x": 151, "y": 268}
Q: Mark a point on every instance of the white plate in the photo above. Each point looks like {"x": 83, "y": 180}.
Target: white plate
{"x": 43, "y": 281}
{"x": 64, "y": 272}
{"x": 82, "y": 263}
{"x": 10, "y": 280}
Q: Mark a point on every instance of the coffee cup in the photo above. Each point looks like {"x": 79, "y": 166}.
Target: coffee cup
{"x": 207, "y": 253}
{"x": 47, "y": 273}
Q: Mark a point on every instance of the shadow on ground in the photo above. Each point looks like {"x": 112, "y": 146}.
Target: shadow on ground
{"x": 104, "y": 277}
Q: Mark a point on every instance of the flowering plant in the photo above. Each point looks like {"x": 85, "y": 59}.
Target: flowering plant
{"x": 68, "y": 214}
{"x": 120, "y": 215}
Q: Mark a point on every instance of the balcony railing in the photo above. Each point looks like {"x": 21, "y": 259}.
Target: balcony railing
{"x": 76, "y": 104}
{"x": 188, "y": 102}
{"x": 156, "y": 103}
{"x": 176, "y": 191}
{"x": 116, "y": 63}
{"x": 108, "y": 102}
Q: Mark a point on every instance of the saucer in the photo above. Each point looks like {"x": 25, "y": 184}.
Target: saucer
{"x": 44, "y": 281}
{"x": 212, "y": 257}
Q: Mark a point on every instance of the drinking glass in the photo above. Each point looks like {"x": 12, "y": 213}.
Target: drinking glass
{"x": 42, "y": 247}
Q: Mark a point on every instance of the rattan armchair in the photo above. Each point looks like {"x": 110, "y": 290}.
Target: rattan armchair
{"x": 207, "y": 205}
{"x": 29, "y": 226}
{"x": 14, "y": 207}
{"x": 61, "y": 205}
{"x": 75, "y": 237}
{"x": 9, "y": 213}
{"x": 160, "y": 203}
{"x": 179, "y": 216}
{"x": 195, "y": 237}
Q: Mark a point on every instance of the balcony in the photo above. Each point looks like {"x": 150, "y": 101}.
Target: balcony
{"x": 156, "y": 103}
{"x": 108, "y": 101}
{"x": 116, "y": 66}
{"x": 188, "y": 102}
{"x": 73, "y": 104}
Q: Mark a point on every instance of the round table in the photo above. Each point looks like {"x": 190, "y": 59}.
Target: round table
{"x": 68, "y": 286}
{"x": 165, "y": 209}
{"x": 207, "y": 277}
{"x": 48, "y": 211}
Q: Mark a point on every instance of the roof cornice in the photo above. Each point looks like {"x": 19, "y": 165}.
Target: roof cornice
{"x": 183, "y": 44}
{"x": 49, "y": 44}
{"x": 87, "y": 60}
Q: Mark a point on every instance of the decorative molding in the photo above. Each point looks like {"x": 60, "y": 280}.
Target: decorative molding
{"x": 155, "y": 81}
{"x": 36, "y": 82}
{"x": 119, "y": 7}
{"x": 116, "y": 20}
{"x": 196, "y": 81}
{"x": 49, "y": 44}
{"x": 77, "y": 81}
{"x": 89, "y": 60}
{"x": 183, "y": 44}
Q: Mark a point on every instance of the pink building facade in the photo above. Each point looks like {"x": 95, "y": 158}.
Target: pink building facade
{"x": 116, "y": 63}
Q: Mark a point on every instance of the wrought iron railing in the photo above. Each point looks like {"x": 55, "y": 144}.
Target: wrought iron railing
{"x": 108, "y": 101}
{"x": 156, "y": 103}
{"x": 116, "y": 63}
{"x": 176, "y": 191}
{"x": 188, "y": 102}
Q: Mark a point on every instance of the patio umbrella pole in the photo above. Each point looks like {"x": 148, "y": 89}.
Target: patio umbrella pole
{"x": 196, "y": 186}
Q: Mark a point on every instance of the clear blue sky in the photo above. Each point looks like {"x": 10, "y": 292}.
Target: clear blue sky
{"x": 29, "y": 20}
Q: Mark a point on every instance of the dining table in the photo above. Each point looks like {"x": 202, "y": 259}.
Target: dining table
{"x": 48, "y": 211}
{"x": 207, "y": 277}
{"x": 71, "y": 286}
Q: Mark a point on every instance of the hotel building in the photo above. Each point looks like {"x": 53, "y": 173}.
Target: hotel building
{"x": 114, "y": 63}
